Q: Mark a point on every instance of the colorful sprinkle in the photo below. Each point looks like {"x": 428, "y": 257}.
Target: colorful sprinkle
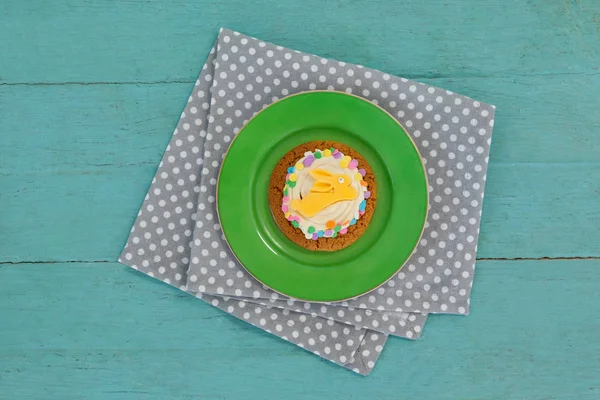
{"x": 362, "y": 205}
{"x": 331, "y": 229}
{"x": 308, "y": 161}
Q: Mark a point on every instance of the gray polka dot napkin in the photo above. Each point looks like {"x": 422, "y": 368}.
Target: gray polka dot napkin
{"x": 162, "y": 237}
{"x": 452, "y": 133}
{"x": 177, "y": 237}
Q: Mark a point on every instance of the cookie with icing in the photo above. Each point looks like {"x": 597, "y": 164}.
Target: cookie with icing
{"x": 322, "y": 195}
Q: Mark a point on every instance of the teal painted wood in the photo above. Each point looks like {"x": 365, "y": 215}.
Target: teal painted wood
{"x": 77, "y": 161}
{"x": 540, "y": 119}
{"x": 96, "y": 331}
{"x": 86, "y": 215}
{"x": 148, "y": 41}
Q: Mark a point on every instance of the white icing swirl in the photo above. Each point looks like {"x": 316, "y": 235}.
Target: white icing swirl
{"x": 342, "y": 212}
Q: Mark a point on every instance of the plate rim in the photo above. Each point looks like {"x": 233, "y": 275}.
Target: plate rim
{"x": 218, "y": 184}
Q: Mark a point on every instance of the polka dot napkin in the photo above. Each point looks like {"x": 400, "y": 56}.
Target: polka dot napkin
{"x": 177, "y": 237}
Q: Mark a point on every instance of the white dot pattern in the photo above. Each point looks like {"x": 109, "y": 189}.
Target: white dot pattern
{"x": 452, "y": 133}
{"x": 335, "y": 341}
{"x": 235, "y": 281}
{"x": 162, "y": 236}
{"x": 177, "y": 238}
{"x": 407, "y": 325}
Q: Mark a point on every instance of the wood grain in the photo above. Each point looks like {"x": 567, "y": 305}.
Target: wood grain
{"x": 95, "y": 331}
{"x": 77, "y": 167}
{"x": 89, "y": 95}
{"x": 157, "y": 41}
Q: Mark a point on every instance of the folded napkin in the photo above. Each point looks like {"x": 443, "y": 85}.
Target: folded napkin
{"x": 452, "y": 133}
{"x": 177, "y": 238}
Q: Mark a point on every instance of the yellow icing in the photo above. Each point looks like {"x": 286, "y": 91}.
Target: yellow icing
{"x": 328, "y": 189}
{"x": 344, "y": 164}
{"x": 358, "y": 176}
{"x": 327, "y": 153}
{"x": 293, "y": 177}
{"x": 299, "y": 166}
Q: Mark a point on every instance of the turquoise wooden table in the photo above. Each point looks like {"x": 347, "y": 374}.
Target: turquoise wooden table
{"x": 89, "y": 95}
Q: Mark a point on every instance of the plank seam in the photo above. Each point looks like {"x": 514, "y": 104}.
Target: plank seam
{"x": 94, "y": 83}
{"x": 479, "y": 259}
{"x": 538, "y": 258}
{"x": 188, "y": 81}
{"x": 58, "y": 262}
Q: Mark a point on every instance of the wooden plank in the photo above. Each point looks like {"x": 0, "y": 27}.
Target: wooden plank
{"x": 74, "y": 127}
{"x": 156, "y": 41}
{"x": 72, "y": 331}
{"x": 530, "y": 211}
{"x": 77, "y": 161}
{"x": 539, "y": 119}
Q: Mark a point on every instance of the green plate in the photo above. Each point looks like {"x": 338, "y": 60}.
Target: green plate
{"x": 390, "y": 238}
